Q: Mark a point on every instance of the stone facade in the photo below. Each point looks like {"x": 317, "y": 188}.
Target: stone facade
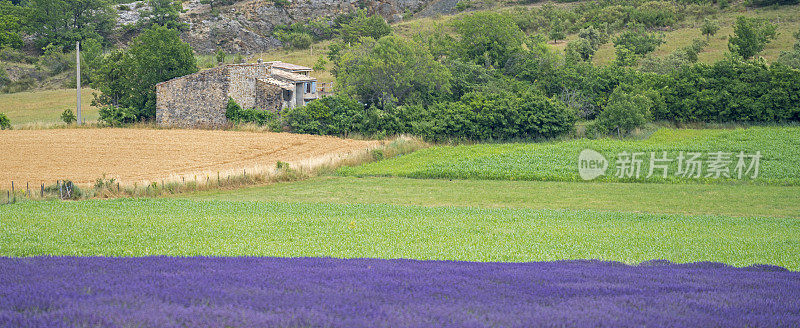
{"x": 270, "y": 96}
{"x": 200, "y": 99}
{"x": 196, "y": 100}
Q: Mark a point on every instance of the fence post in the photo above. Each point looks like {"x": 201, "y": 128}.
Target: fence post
{"x": 28, "y": 189}
{"x": 13, "y": 193}
{"x": 60, "y": 190}
{"x": 42, "y": 190}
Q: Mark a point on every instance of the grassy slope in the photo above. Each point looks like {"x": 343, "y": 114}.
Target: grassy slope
{"x": 45, "y": 106}
{"x": 693, "y": 199}
{"x": 182, "y": 227}
{"x": 557, "y": 161}
{"x": 786, "y": 17}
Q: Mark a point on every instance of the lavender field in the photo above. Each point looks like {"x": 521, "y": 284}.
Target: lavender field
{"x": 291, "y": 292}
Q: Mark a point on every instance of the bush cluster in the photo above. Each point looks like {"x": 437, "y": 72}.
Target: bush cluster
{"x": 5, "y": 123}
{"x": 477, "y": 116}
{"x": 237, "y": 115}
{"x": 731, "y": 90}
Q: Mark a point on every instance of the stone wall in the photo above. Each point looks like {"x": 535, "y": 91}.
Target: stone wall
{"x": 268, "y": 96}
{"x": 242, "y": 79}
{"x": 196, "y": 100}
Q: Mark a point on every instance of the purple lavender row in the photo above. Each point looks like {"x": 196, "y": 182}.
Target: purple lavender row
{"x": 324, "y": 292}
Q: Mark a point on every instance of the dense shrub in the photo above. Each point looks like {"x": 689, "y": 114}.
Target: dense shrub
{"x": 237, "y": 115}
{"x": 15, "y": 55}
{"x": 477, "y": 116}
{"x": 300, "y": 40}
{"x": 655, "y": 14}
{"x": 5, "y": 123}
{"x": 68, "y": 116}
{"x": 731, "y": 90}
{"x": 493, "y": 116}
{"x": 117, "y": 116}
{"x": 638, "y": 40}
{"x": 364, "y": 26}
{"x": 792, "y": 58}
{"x": 54, "y": 61}
{"x": 627, "y": 110}
{"x": 579, "y": 50}
{"x": 764, "y": 3}
{"x": 336, "y": 115}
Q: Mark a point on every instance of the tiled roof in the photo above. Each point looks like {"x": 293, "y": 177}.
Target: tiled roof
{"x": 280, "y": 84}
{"x": 290, "y": 67}
{"x": 292, "y": 76}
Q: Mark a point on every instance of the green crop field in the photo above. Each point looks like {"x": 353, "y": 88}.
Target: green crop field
{"x": 740, "y": 200}
{"x": 558, "y": 160}
{"x": 134, "y": 227}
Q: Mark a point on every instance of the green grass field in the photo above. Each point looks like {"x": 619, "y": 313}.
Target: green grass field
{"x": 218, "y": 228}
{"x": 558, "y": 160}
{"x": 45, "y": 106}
{"x": 745, "y": 200}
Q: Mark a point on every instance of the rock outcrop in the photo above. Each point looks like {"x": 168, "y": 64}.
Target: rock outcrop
{"x": 246, "y": 26}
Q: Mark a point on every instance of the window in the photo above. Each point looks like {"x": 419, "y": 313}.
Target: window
{"x": 308, "y": 87}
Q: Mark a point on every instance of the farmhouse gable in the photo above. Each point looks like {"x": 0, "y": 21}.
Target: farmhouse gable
{"x": 199, "y": 99}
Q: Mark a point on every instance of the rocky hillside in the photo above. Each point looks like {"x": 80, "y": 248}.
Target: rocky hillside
{"x": 246, "y": 26}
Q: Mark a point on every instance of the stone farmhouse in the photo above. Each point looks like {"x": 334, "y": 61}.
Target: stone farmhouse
{"x": 199, "y": 99}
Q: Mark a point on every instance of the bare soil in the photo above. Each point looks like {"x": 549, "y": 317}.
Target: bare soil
{"x": 136, "y": 155}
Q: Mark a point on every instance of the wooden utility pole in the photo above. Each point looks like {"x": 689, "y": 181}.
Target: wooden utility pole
{"x": 78, "y": 77}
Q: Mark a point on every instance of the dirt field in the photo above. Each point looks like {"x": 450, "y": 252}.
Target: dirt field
{"x": 134, "y": 155}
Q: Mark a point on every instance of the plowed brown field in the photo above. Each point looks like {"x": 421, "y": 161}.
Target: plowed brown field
{"x": 133, "y": 155}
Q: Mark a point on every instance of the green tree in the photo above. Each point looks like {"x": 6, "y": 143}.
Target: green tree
{"x": 127, "y": 79}
{"x": 709, "y": 28}
{"x": 220, "y": 56}
{"x": 488, "y": 38}
{"x": 109, "y": 77}
{"x": 750, "y": 36}
{"x": 639, "y": 40}
{"x": 579, "y": 50}
{"x": 595, "y": 36}
{"x": 156, "y": 55}
{"x": 319, "y": 66}
{"x": 364, "y": 26}
{"x": 11, "y": 18}
{"x": 392, "y": 70}
{"x": 557, "y": 31}
{"x": 63, "y": 22}
{"x": 627, "y": 110}
{"x": 165, "y": 13}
